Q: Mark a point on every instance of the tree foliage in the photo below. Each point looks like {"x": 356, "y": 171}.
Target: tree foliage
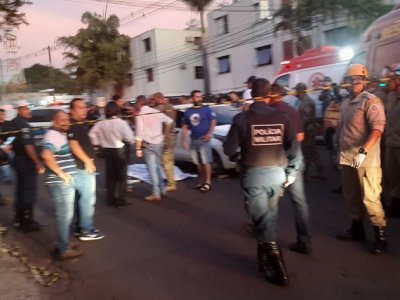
{"x": 98, "y": 54}
{"x": 10, "y": 16}
{"x": 39, "y": 77}
{"x": 303, "y": 15}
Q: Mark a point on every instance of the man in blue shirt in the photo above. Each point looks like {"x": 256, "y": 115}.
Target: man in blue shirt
{"x": 201, "y": 121}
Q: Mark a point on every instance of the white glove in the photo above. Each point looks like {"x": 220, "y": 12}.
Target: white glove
{"x": 358, "y": 160}
{"x": 289, "y": 181}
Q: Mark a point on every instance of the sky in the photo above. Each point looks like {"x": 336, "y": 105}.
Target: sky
{"x": 50, "y": 19}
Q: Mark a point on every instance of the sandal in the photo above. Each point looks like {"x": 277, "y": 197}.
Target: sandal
{"x": 205, "y": 188}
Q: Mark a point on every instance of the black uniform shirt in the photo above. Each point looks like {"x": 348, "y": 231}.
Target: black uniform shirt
{"x": 266, "y": 139}
{"x": 80, "y": 132}
{"x": 291, "y": 113}
{"x": 23, "y": 137}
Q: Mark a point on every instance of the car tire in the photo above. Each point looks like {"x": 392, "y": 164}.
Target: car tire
{"x": 217, "y": 166}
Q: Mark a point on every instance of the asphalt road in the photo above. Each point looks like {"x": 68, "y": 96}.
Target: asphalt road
{"x": 192, "y": 246}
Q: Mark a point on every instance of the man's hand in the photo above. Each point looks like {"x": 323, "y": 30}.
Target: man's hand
{"x": 185, "y": 145}
{"x": 39, "y": 168}
{"x": 90, "y": 168}
{"x": 289, "y": 181}
{"x": 207, "y": 137}
{"x": 358, "y": 160}
{"x": 66, "y": 177}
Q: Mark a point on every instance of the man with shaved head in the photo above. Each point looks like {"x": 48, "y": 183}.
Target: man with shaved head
{"x": 60, "y": 171}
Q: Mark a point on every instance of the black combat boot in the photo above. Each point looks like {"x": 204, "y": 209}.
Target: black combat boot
{"x": 275, "y": 266}
{"x": 19, "y": 216}
{"x": 262, "y": 257}
{"x": 380, "y": 244}
{"x": 355, "y": 233}
{"x": 24, "y": 221}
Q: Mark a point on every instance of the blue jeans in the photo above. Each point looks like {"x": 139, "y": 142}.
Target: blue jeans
{"x": 262, "y": 188}
{"x": 5, "y": 173}
{"x": 63, "y": 196}
{"x": 86, "y": 197}
{"x": 300, "y": 209}
{"x": 152, "y": 157}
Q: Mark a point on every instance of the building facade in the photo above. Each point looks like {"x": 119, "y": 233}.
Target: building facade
{"x": 167, "y": 61}
{"x": 241, "y": 42}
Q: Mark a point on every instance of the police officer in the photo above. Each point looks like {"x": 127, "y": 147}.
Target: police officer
{"x": 307, "y": 116}
{"x": 269, "y": 159}
{"x": 26, "y": 164}
{"x": 296, "y": 190}
{"x": 392, "y": 140}
{"x": 362, "y": 124}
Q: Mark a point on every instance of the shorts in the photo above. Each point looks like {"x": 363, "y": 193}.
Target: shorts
{"x": 200, "y": 152}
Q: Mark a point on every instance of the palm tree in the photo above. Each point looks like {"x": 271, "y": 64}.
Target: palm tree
{"x": 200, "y": 6}
{"x": 303, "y": 15}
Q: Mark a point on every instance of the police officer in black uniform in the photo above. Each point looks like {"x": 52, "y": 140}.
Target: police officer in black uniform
{"x": 269, "y": 160}
{"x": 26, "y": 164}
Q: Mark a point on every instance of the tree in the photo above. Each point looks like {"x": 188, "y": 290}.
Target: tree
{"x": 303, "y": 15}
{"x": 40, "y": 77}
{"x": 200, "y": 6}
{"x": 9, "y": 13}
{"x": 98, "y": 54}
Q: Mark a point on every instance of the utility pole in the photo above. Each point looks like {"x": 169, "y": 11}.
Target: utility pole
{"x": 51, "y": 72}
{"x": 1, "y": 80}
{"x": 204, "y": 55}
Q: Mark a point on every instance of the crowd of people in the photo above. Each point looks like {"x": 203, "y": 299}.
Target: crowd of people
{"x": 271, "y": 161}
{"x": 273, "y": 143}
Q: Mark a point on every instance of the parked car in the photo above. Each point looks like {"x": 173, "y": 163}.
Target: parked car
{"x": 224, "y": 115}
{"x": 41, "y": 121}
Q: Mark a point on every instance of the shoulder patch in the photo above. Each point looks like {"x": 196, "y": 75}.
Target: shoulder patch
{"x": 374, "y": 108}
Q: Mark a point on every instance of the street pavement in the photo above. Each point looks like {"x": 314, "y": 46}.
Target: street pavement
{"x": 192, "y": 246}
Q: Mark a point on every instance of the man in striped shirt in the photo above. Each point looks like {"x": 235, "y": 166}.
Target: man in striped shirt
{"x": 60, "y": 172}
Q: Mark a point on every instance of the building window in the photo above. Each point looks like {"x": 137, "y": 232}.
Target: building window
{"x": 221, "y": 25}
{"x": 264, "y": 55}
{"x": 147, "y": 45}
{"x": 262, "y": 10}
{"x": 198, "y": 72}
{"x": 224, "y": 65}
{"x": 197, "y": 40}
{"x": 149, "y": 73}
{"x": 130, "y": 81}
{"x": 288, "y": 50}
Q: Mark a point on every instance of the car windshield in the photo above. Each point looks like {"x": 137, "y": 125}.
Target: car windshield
{"x": 224, "y": 113}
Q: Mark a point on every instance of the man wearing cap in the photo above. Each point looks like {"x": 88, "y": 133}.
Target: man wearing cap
{"x": 309, "y": 147}
{"x": 26, "y": 164}
{"x": 296, "y": 190}
{"x": 392, "y": 140}
{"x": 269, "y": 161}
{"x": 249, "y": 82}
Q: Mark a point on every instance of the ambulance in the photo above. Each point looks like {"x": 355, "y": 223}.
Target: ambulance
{"x": 311, "y": 68}
{"x": 380, "y": 44}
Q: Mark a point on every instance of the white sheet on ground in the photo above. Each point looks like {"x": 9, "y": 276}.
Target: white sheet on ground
{"x": 140, "y": 171}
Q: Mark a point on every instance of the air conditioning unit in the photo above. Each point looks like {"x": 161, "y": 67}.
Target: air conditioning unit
{"x": 189, "y": 39}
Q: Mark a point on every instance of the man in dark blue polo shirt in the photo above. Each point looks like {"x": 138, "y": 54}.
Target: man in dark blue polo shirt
{"x": 83, "y": 152}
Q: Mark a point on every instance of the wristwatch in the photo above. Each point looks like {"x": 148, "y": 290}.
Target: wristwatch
{"x": 362, "y": 151}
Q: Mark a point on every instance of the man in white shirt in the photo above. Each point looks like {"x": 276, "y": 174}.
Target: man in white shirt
{"x": 249, "y": 82}
{"x": 149, "y": 142}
